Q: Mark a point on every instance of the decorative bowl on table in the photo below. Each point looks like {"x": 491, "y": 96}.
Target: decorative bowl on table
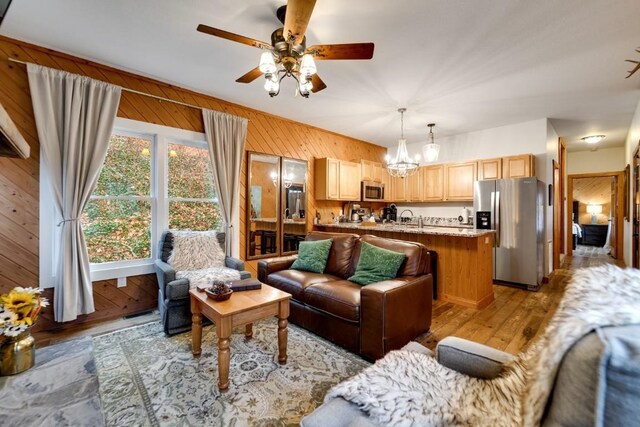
{"x": 219, "y": 291}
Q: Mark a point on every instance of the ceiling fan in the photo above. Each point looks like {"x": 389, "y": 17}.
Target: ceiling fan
{"x": 287, "y": 54}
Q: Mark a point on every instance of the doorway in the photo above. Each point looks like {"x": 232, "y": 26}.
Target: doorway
{"x": 635, "y": 207}
{"x": 595, "y": 213}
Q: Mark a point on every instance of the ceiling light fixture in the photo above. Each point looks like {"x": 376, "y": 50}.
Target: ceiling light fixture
{"x": 301, "y": 68}
{"x": 403, "y": 166}
{"x": 431, "y": 150}
{"x": 593, "y": 139}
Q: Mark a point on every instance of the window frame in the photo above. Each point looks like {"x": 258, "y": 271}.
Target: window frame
{"x": 161, "y": 137}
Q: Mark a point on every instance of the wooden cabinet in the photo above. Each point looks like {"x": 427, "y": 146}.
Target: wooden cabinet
{"x": 458, "y": 181}
{"x": 490, "y": 168}
{"x": 414, "y": 187}
{"x": 337, "y": 180}
{"x": 371, "y": 171}
{"x": 518, "y": 166}
{"x": 388, "y": 187}
{"x": 349, "y": 188}
{"x": 399, "y": 189}
{"x": 432, "y": 183}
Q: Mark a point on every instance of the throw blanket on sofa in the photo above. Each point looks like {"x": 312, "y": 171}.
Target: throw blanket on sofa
{"x": 406, "y": 388}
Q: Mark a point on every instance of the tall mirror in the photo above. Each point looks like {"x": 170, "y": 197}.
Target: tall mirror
{"x": 263, "y": 210}
{"x": 294, "y": 204}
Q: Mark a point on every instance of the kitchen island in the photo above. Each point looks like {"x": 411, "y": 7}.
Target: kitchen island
{"x": 465, "y": 257}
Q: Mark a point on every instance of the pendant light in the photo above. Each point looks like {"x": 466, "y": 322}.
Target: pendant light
{"x": 431, "y": 150}
{"x": 402, "y": 166}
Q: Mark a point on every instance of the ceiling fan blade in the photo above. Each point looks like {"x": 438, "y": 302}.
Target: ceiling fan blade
{"x": 318, "y": 84}
{"x": 233, "y": 37}
{"x": 297, "y": 19}
{"x": 250, "y": 76}
{"x": 342, "y": 51}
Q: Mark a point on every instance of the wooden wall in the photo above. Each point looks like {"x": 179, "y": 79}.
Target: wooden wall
{"x": 19, "y": 179}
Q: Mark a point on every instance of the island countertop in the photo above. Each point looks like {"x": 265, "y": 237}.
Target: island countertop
{"x": 431, "y": 230}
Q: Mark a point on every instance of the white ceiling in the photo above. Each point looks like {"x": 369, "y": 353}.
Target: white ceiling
{"x": 464, "y": 64}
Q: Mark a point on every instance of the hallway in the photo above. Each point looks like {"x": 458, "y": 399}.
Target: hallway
{"x": 516, "y": 316}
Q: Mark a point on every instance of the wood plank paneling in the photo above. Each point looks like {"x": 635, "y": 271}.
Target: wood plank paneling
{"x": 19, "y": 179}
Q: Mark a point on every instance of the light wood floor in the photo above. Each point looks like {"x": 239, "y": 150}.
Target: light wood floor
{"x": 510, "y": 323}
{"x": 516, "y": 316}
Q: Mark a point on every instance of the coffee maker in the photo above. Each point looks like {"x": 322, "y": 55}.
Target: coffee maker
{"x": 390, "y": 213}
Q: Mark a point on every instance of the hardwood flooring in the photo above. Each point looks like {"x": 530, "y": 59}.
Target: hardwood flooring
{"x": 510, "y": 323}
{"x": 516, "y": 316}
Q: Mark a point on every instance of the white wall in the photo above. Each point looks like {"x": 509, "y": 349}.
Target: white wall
{"x": 534, "y": 137}
{"x": 602, "y": 160}
{"x": 630, "y": 146}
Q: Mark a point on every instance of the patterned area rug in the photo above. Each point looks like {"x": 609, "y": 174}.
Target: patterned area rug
{"x": 148, "y": 379}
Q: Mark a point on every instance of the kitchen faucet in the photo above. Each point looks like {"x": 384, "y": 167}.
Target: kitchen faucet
{"x": 401, "y": 213}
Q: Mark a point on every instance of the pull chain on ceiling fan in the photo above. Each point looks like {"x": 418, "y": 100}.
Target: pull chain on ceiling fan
{"x": 287, "y": 55}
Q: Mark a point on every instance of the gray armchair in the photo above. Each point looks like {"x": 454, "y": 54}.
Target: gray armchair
{"x": 597, "y": 382}
{"x": 173, "y": 294}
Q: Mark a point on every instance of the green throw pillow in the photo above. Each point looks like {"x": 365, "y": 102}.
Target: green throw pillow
{"x": 376, "y": 264}
{"x": 312, "y": 256}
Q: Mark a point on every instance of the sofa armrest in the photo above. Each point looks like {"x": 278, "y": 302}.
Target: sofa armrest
{"x": 234, "y": 263}
{"x": 165, "y": 274}
{"x": 471, "y": 358}
{"x": 271, "y": 265}
{"x": 177, "y": 289}
{"x": 394, "y": 312}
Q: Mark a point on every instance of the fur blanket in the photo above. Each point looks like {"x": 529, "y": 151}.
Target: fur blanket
{"x": 406, "y": 388}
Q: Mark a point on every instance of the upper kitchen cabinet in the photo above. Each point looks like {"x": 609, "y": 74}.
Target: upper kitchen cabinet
{"x": 432, "y": 183}
{"x": 490, "y": 168}
{"x": 388, "y": 187}
{"x": 399, "y": 186}
{"x": 521, "y": 166}
{"x": 371, "y": 171}
{"x": 337, "y": 180}
{"x": 414, "y": 187}
{"x": 459, "y": 179}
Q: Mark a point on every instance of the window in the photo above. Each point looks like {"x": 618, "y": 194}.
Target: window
{"x": 154, "y": 178}
{"x": 117, "y": 218}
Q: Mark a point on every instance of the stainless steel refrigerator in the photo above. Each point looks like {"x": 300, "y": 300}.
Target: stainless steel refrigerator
{"x": 514, "y": 208}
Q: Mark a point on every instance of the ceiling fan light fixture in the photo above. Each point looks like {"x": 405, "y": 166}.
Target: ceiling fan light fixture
{"x": 267, "y": 63}
{"x": 431, "y": 150}
{"x": 272, "y": 84}
{"x": 307, "y": 65}
{"x": 593, "y": 139}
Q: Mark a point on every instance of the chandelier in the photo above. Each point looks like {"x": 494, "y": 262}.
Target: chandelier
{"x": 301, "y": 69}
{"x": 431, "y": 150}
{"x": 402, "y": 166}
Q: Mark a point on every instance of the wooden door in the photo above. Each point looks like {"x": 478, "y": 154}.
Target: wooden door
{"x": 613, "y": 224}
{"x": 459, "y": 179}
{"x": 433, "y": 183}
{"x": 388, "y": 187}
{"x": 518, "y": 166}
{"x": 490, "y": 168}
{"x": 557, "y": 219}
{"x": 349, "y": 178}
{"x": 635, "y": 205}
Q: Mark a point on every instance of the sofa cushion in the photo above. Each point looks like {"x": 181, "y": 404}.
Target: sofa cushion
{"x": 376, "y": 265}
{"x": 341, "y": 252}
{"x": 597, "y": 381}
{"x": 295, "y": 282}
{"x": 416, "y": 254}
{"x": 195, "y": 250}
{"x": 340, "y": 298}
{"x": 312, "y": 256}
{"x": 205, "y": 276}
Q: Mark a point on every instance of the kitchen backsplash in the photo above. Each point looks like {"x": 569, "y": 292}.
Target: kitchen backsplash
{"x": 435, "y": 210}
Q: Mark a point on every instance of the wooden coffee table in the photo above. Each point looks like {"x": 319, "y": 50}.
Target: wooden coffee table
{"x": 243, "y": 308}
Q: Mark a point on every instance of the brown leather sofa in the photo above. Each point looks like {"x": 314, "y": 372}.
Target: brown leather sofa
{"x": 368, "y": 320}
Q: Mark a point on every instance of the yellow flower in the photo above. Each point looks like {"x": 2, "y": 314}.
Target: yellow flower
{"x": 17, "y": 300}
{"x": 24, "y": 317}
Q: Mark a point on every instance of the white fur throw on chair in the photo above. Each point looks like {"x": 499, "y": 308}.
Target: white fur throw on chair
{"x": 197, "y": 256}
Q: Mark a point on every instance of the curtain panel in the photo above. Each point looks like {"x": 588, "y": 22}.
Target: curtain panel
{"x": 74, "y": 117}
{"x": 226, "y": 137}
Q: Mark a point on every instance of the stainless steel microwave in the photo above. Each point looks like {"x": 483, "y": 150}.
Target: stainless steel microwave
{"x": 372, "y": 191}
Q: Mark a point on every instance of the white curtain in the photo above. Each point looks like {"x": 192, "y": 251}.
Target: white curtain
{"x": 74, "y": 116}
{"x": 226, "y": 136}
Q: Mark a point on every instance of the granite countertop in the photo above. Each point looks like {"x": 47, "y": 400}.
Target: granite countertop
{"x": 434, "y": 230}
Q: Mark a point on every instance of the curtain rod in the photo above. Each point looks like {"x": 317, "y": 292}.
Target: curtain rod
{"x": 160, "y": 98}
